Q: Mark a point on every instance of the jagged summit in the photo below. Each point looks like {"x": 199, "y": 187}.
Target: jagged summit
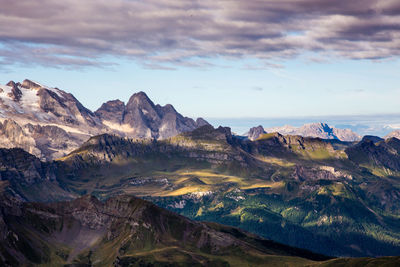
{"x": 31, "y": 84}
{"x": 140, "y": 117}
{"x": 111, "y": 111}
{"x": 140, "y": 97}
{"x": 201, "y": 122}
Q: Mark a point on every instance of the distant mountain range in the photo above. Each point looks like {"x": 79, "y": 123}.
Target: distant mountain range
{"x": 49, "y": 122}
{"x": 395, "y": 133}
{"x": 321, "y": 130}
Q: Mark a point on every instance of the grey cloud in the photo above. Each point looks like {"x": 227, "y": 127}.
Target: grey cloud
{"x": 171, "y": 33}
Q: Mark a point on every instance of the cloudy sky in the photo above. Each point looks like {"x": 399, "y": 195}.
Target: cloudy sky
{"x": 211, "y": 58}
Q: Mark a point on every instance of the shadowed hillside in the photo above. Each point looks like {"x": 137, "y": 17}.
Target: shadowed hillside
{"x": 127, "y": 231}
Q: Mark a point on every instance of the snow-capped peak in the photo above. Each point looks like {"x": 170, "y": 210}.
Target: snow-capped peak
{"x": 36, "y": 86}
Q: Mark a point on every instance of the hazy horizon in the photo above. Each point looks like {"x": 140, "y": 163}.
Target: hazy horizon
{"x": 379, "y": 124}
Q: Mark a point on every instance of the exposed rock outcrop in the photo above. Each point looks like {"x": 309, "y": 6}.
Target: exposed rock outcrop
{"x": 28, "y": 178}
{"x": 111, "y": 111}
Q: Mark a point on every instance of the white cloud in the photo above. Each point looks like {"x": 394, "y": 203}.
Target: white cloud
{"x": 190, "y": 33}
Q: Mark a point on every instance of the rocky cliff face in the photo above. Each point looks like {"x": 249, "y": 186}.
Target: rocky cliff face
{"x": 44, "y": 141}
{"x": 50, "y": 123}
{"x": 142, "y": 118}
{"x": 321, "y": 130}
{"x": 23, "y": 168}
{"x": 13, "y": 135}
{"x": 112, "y": 111}
{"x": 26, "y": 177}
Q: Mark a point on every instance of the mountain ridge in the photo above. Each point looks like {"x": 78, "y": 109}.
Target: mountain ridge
{"x": 126, "y": 230}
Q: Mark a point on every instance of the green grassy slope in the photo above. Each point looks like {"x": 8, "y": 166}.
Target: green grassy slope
{"x": 328, "y": 196}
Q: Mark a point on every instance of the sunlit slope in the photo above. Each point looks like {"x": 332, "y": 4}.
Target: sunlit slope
{"x": 300, "y": 191}
{"x": 205, "y": 159}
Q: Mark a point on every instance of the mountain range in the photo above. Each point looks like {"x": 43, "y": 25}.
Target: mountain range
{"x": 321, "y": 130}
{"x": 395, "y": 133}
{"x": 300, "y": 191}
{"x": 49, "y": 122}
{"x": 321, "y": 194}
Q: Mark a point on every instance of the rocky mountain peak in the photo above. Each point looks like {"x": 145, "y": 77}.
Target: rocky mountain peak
{"x": 201, "y": 122}
{"x": 140, "y": 102}
{"x": 140, "y": 98}
{"x": 145, "y": 119}
{"x": 111, "y": 111}
{"x": 13, "y": 84}
{"x": 168, "y": 108}
{"x": 15, "y": 93}
{"x": 226, "y": 131}
{"x": 255, "y": 132}
{"x": 28, "y": 84}
{"x": 318, "y": 127}
{"x": 113, "y": 104}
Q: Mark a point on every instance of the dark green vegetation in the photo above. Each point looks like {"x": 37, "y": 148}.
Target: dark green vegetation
{"x": 331, "y": 197}
{"x": 127, "y": 231}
